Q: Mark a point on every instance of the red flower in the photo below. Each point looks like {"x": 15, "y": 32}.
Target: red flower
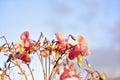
{"x": 27, "y": 45}
{"x": 23, "y": 56}
{"x": 24, "y": 35}
{"x": 70, "y": 72}
{"x": 80, "y": 48}
{"x": 26, "y": 41}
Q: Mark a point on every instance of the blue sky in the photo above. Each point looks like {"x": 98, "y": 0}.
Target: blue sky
{"x": 94, "y": 19}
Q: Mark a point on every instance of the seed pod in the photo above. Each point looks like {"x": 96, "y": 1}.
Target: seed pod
{"x": 79, "y": 61}
{"x": 73, "y": 37}
{"x": 88, "y": 64}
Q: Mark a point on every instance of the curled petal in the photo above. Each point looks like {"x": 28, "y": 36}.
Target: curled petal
{"x": 23, "y": 56}
{"x": 24, "y": 35}
{"x": 35, "y": 48}
{"x": 82, "y": 41}
{"x": 70, "y": 72}
{"x": 60, "y": 36}
{"x": 27, "y": 43}
{"x": 27, "y": 59}
{"x": 3, "y": 49}
{"x": 75, "y": 51}
{"x": 64, "y": 75}
{"x": 80, "y": 48}
{"x": 62, "y": 43}
{"x": 43, "y": 53}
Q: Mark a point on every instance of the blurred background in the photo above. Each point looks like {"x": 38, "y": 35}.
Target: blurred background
{"x": 97, "y": 20}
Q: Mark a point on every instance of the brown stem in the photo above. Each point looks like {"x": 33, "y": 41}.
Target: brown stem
{"x": 9, "y": 77}
{"x": 21, "y": 70}
{"x": 6, "y": 42}
{"x": 41, "y": 61}
{"x": 53, "y": 69}
{"x": 46, "y": 67}
{"x": 17, "y": 64}
{"x": 49, "y": 64}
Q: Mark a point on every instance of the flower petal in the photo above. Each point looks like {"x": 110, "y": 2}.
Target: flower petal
{"x": 60, "y": 36}
{"x": 82, "y": 41}
{"x": 43, "y": 53}
{"x": 24, "y": 35}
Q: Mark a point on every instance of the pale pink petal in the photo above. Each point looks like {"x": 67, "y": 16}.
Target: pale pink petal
{"x": 82, "y": 41}
{"x": 60, "y": 36}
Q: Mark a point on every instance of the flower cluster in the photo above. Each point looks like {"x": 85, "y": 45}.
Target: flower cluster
{"x": 57, "y": 54}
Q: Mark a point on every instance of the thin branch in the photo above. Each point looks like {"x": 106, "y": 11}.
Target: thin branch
{"x": 46, "y": 67}
{"x": 30, "y": 71}
{"x": 17, "y": 64}
{"x": 41, "y": 61}
{"x": 49, "y": 63}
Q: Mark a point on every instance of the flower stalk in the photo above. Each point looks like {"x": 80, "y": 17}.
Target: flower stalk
{"x": 56, "y": 56}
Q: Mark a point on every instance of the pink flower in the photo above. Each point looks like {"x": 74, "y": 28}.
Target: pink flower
{"x": 82, "y": 41}
{"x": 26, "y": 41}
{"x": 62, "y": 42}
{"x": 80, "y": 48}
{"x": 60, "y": 37}
{"x": 27, "y": 45}
{"x": 68, "y": 73}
